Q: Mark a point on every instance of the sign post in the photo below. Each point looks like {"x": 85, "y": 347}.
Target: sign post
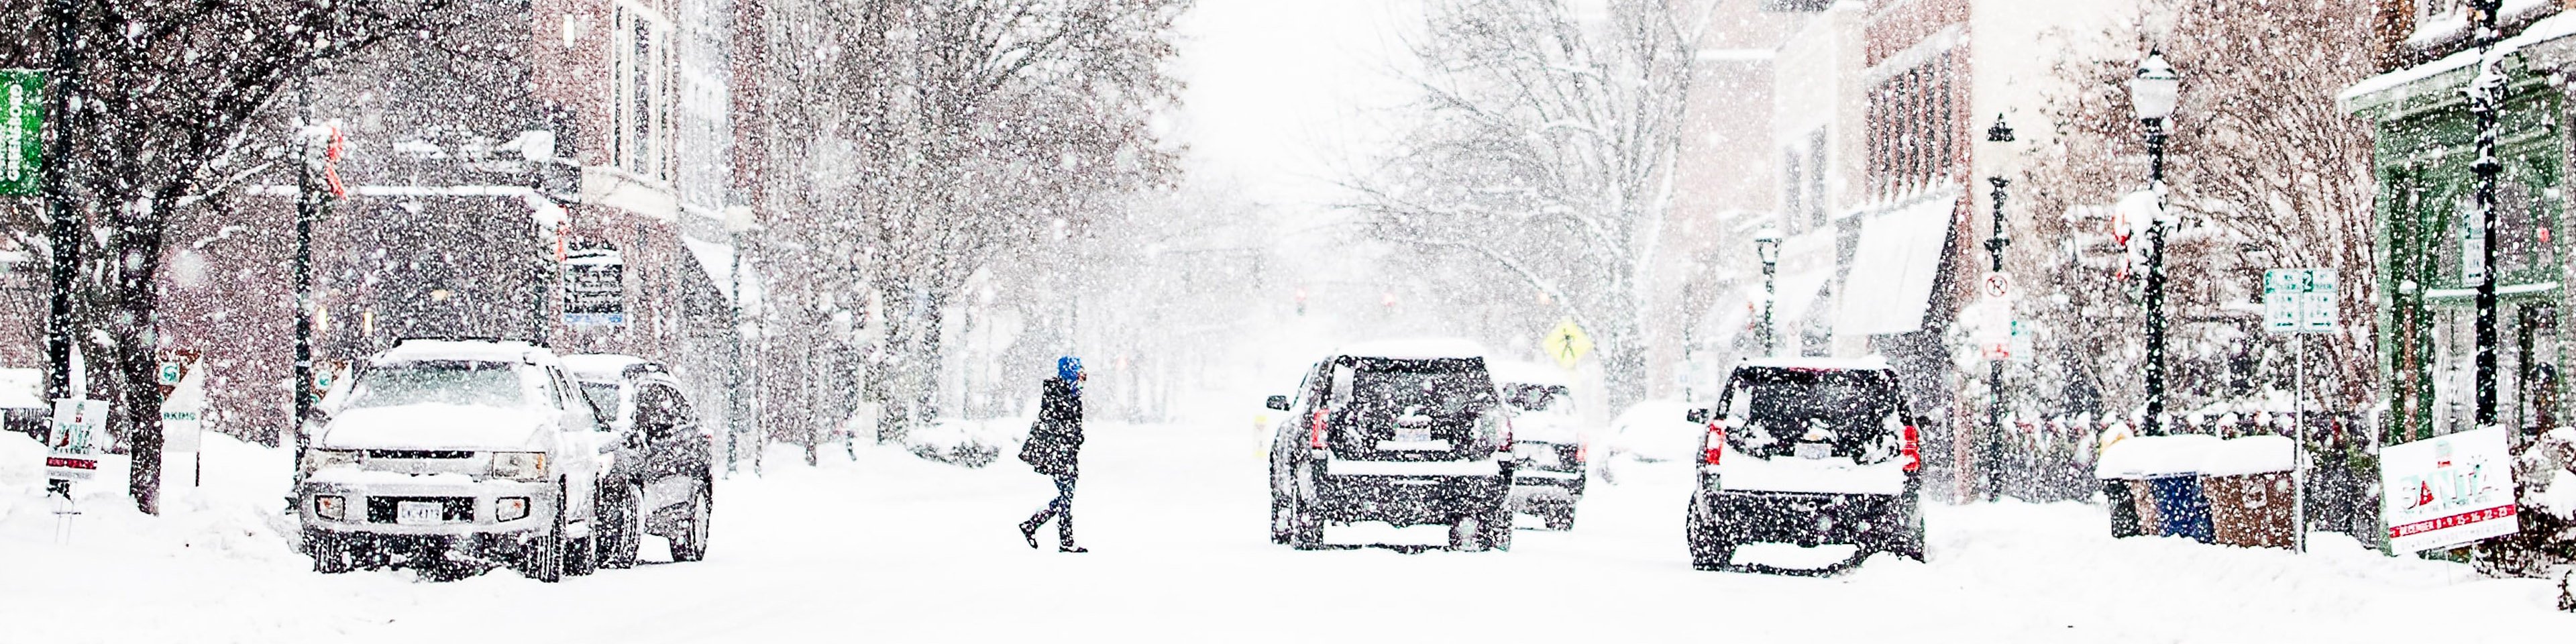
{"x": 2298, "y": 302}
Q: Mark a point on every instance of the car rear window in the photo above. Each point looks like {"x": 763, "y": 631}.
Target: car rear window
{"x": 447, "y": 382}
{"x": 1439, "y": 388}
{"x": 1780, "y": 407}
{"x": 1537, "y": 397}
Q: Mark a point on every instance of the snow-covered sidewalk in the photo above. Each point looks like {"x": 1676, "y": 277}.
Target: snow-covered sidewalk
{"x": 894, "y": 548}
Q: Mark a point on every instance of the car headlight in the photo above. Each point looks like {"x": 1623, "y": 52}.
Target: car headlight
{"x": 523, "y": 466}
{"x": 331, "y": 507}
{"x": 511, "y": 508}
{"x": 317, "y": 459}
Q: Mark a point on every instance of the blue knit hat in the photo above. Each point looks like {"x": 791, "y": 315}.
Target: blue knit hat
{"x": 1068, "y": 368}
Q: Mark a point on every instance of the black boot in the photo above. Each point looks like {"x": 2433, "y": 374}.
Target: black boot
{"x": 1029, "y": 532}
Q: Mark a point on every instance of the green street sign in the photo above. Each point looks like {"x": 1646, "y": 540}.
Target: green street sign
{"x": 22, "y": 130}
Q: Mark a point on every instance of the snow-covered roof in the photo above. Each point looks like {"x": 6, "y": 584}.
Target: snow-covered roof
{"x": 1893, "y": 268}
{"x": 2154, "y": 456}
{"x": 2399, "y": 85}
{"x": 600, "y": 366}
{"x": 1865, "y": 363}
{"x": 472, "y": 350}
{"x": 1529, "y": 373}
{"x": 1416, "y": 349}
{"x": 2250, "y": 455}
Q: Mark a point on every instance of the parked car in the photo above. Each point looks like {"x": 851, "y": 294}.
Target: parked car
{"x": 661, "y": 475}
{"x": 1409, "y": 433}
{"x": 1650, "y": 432}
{"x": 1548, "y": 441}
{"x": 1807, "y": 451}
{"x": 447, "y": 454}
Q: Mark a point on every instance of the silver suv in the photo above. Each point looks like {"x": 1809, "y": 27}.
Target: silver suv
{"x": 451, "y": 455}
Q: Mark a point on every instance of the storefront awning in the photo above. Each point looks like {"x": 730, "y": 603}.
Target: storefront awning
{"x": 1894, "y": 267}
{"x": 716, "y": 260}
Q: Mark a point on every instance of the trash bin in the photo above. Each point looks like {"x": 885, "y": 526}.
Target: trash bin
{"x": 2162, "y": 474}
{"x": 2252, "y": 497}
{"x": 2120, "y": 485}
{"x": 2182, "y": 510}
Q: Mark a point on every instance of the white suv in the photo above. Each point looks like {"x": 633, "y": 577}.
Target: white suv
{"x": 449, "y": 455}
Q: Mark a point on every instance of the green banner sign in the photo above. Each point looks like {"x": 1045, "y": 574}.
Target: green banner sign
{"x": 22, "y": 128}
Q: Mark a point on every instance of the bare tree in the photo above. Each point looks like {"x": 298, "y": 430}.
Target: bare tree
{"x": 2263, "y": 172}
{"x": 957, "y": 133}
{"x": 158, "y": 91}
{"x": 1542, "y": 148}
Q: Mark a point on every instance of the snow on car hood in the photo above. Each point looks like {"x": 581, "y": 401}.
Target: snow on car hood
{"x": 436, "y": 426}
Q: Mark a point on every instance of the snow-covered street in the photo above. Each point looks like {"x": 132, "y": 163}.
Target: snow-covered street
{"x": 892, "y": 548}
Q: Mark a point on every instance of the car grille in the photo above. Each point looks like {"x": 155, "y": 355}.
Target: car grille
{"x": 380, "y": 509}
{"x": 420, "y": 453}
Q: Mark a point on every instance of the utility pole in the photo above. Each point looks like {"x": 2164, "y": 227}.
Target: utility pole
{"x": 303, "y": 269}
{"x": 1995, "y": 244}
{"x": 2486, "y": 98}
{"x": 62, "y": 221}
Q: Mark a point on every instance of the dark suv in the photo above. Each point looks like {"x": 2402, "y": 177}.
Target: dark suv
{"x": 1407, "y": 434}
{"x": 661, "y": 480}
{"x": 1809, "y": 452}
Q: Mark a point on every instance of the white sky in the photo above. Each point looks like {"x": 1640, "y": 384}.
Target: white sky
{"x": 1282, "y": 92}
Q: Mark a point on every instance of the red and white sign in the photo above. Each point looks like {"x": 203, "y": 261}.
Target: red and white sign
{"x": 2448, "y": 491}
{"x": 63, "y": 467}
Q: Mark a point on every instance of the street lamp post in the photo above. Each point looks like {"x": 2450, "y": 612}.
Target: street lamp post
{"x": 1766, "y": 244}
{"x": 2000, "y": 133}
{"x": 2486, "y": 98}
{"x": 2152, "y": 94}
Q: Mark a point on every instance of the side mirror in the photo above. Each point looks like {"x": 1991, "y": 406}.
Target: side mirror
{"x": 1696, "y": 416}
{"x": 1279, "y": 403}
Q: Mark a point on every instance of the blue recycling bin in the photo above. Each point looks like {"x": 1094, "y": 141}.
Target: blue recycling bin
{"x": 2182, "y": 509}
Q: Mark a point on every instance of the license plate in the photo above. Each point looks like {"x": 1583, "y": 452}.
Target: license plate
{"x": 1413, "y": 446}
{"x": 419, "y": 513}
{"x": 1815, "y": 450}
{"x": 1412, "y": 434}
{"x": 1542, "y": 457}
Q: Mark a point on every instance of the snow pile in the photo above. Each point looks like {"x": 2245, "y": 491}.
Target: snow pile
{"x": 2154, "y": 456}
{"x": 2250, "y": 455}
{"x": 2548, "y": 471}
{"x": 971, "y": 443}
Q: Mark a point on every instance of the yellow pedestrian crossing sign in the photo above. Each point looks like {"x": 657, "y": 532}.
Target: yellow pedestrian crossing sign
{"x": 1567, "y": 343}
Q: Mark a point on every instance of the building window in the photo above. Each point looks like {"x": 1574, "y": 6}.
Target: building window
{"x": 640, "y": 100}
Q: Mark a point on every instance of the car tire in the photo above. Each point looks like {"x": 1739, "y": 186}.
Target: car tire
{"x": 1497, "y": 529}
{"x": 1561, "y": 519}
{"x": 623, "y": 516}
{"x": 544, "y": 560}
{"x": 1907, "y": 541}
{"x": 1282, "y": 519}
{"x": 690, "y": 542}
{"x": 1467, "y": 532}
{"x": 330, "y": 557}
{"x": 1305, "y": 529}
{"x": 1708, "y": 549}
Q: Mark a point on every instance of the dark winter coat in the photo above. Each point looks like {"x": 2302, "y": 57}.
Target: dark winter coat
{"x": 1055, "y": 441}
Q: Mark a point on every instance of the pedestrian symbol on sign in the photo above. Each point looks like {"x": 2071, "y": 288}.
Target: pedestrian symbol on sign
{"x": 1567, "y": 343}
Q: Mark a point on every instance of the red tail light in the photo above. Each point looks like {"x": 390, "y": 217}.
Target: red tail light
{"x": 1507, "y": 435}
{"x": 1583, "y": 452}
{"x": 1315, "y": 430}
{"x": 1715, "y": 445}
{"x": 1912, "y": 452}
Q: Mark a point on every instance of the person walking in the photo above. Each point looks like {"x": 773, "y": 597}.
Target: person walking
{"x": 1054, "y": 448}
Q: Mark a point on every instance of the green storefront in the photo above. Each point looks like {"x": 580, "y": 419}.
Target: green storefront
{"x": 2423, "y": 217}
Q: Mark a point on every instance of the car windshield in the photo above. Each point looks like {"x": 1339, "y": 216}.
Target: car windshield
{"x": 1851, "y": 410}
{"x": 1536, "y": 397}
{"x": 1441, "y": 389}
{"x": 443, "y": 382}
{"x": 602, "y": 395}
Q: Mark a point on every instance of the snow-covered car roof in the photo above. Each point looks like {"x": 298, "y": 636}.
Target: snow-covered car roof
{"x": 1529, "y": 373}
{"x": 414, "y": 350}
{"x": 1416, "y": 349}
{"x": 1870, "y": 363}
{"x": 601, "y": 366}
